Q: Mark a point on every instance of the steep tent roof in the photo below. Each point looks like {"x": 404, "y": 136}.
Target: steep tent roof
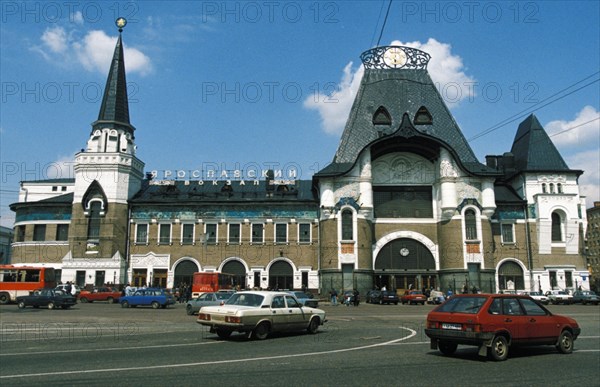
{"x": 533, "y": 150}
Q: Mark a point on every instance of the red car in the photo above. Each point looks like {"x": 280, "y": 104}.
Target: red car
{"x": 99, "y": 294}
{"x": 413, "y": 297}
{"x": 496, "y": 322}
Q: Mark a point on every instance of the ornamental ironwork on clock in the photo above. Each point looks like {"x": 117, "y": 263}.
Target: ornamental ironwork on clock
{"x": 395, "y": 57}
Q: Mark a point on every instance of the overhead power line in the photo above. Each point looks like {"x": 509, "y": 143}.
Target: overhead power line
{"x": 543, "y": 103}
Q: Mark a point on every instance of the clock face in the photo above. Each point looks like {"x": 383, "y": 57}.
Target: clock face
{"x": 394, "y": 57}
{"x": 404, "y": 251}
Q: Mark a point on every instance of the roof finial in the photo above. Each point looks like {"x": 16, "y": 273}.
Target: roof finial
{"x": 121, "y": 23}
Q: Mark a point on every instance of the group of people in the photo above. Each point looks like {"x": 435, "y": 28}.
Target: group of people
{"x": 348, "y": 299}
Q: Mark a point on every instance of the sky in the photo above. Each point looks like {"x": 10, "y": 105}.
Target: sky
{"x": 231, "y": 85}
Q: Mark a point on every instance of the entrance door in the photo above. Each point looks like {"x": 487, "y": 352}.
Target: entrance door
{"x": 139, "y": 278}
{"x": 159, "y": 279}
{"x": 347, "y": 277}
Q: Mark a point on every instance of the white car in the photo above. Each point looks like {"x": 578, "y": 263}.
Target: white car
{"x": 539, "y": 297}
{"x": 259, "y": 313}
{"x": 559, "y": 297}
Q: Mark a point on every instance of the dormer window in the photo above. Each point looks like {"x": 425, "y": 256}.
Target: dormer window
{"x": 423, "y": 117}
{"x": 382, "y": 117}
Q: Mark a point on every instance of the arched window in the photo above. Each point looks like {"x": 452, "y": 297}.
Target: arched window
{"x": 544, "y": 189}
{"x": 470, "y": 225}
{"x": 382, "y": 117}
{"x": 557, "y": 232}
{"x": 559, "y": 188}
{"x": 551, "y": 187}
{"x": 93, "y": 232}
{"x": 347, "y": 225}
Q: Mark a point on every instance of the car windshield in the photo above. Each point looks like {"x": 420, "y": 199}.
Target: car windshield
{"x": 223, "y": 296}
{"x": 470, "y": 305}
{"x": 245, "y": 299}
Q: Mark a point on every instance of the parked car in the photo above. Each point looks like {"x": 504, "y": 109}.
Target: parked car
{"x": 306, "y": 299}
{"x": 559, "y": 297}
{"x": 436, "y": 297}
{"x": 413, "y": 297}
{"x": 206, "y": 299}
{"x": 372, "y": 295}
{"x": 586, "y": 297}
{"x": 155, "y": 297}
{"x": 99, "y": 294}
{"x": 383, "y": 297}
{"x": 538, "y": 296}
{"x": 259, "y": 313}
{"x": 50, "y": 298}
{"x": 497, "y": 322}
{"x": 63, "y": 288}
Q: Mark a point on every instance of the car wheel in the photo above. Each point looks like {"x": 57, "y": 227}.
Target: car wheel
{"x": 396, "y": 303}
{"x": 125, "y": 304}
{"x": 4, "y": 298}
{"x": 565, "y": 342}
{"x": 261, "y": 332}
{"x": 189, "y": 310}
{"x": 499, "y": 349}
{"x": 51, "y": 305}
{"x": 155, "y": 305}
{"x": 66, "y": 306}
{"x": 83, "y": 300}
{"x": 21, "y": 305}
{"x": 223, "y": 333}
{"x": 447, "y": 348}
{"x": 110, "y": 300}
{"x": 380, "y": 302}
{"x": 313, "y": 325}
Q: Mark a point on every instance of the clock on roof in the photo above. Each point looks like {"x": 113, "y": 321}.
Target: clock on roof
{"x": 394, "y": 57}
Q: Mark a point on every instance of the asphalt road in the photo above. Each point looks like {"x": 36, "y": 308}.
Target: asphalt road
{"x": 371, "y": 345}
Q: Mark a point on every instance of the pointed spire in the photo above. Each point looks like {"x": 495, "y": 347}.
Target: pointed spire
{"x": 534, "y": 150}
{"x": 114, "y": 111}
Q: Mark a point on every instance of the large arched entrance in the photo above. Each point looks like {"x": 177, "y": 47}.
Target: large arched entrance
{"x": 238, "y": 270}
{"x": 184, "y": 273}
{"x": 403, "y": 264}
{"x": 281, "y": 275}
{"x": 510, "y": 277}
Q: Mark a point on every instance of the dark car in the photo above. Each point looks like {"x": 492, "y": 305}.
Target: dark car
{"x": 47, "y": 297}
{"x": 373, "y": 296}
{"x": 497, "y": 322}
{"x": 157, "y": 298}
{"x": 585, "y": 297}
{"x": 383, "y": 297}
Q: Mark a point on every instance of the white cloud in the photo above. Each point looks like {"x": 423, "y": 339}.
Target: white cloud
{"x": 77, "y": 18}
{"x": 578, "y": 132}
{"x": 589, "y": 182}
{"x": 55, "y": 39}
{"x": 334, "y": 108}
{"x": 94, "y": 51}
{"x": 445, "y": 69}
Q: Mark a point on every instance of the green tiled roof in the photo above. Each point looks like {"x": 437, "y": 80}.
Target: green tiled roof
{"x": 179, "y": 192}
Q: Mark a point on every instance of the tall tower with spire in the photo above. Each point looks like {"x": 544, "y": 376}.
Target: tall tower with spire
{"x": 107, "y": 175}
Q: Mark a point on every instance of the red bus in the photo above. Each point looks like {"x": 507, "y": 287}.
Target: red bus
{"x": 20, "y": 280}
{"x": 211, "y": 282}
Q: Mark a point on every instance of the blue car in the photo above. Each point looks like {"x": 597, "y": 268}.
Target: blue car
{"x": 157, "y": 298}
